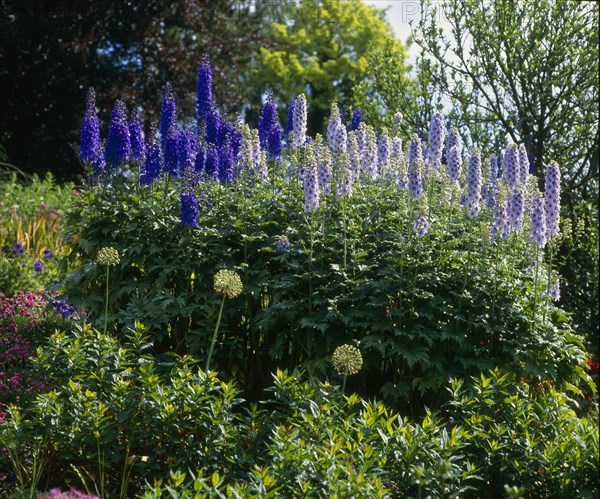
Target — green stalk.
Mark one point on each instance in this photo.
(214, 338)
(344, 384)
(535, 281)
(106, 300)
(549, 279)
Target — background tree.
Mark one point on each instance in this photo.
(51, 52)
(323, 50)
(528, 70)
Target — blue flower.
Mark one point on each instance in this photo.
(63, 308)
(269, 130)
(90, 148)
(168, 115)
(153, 164)
(18, 249)
(204, 90)
(189, 209)
(213, 123)
(171, 154)
(283, 243)
(356, 120)
(48, 253)
(136, 134)
(118, 142)
(38, 266)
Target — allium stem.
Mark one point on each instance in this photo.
(106, 299)
(214, 338)
(344, 384)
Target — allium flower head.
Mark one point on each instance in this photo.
(90, 146)
(118, 142)
(228, 283)
(136, 134)
(347, 360)
(435, 143)
(38, 266)
(108, 256)
(189, 209)
(168, 115)
(552, 199)
(204, 90)
(299, 122)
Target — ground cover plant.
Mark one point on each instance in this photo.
(204, 256)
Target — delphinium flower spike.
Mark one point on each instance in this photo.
(136, 134)
(324, 162)
(345, 181)
(398, 162)
(538, 221)
(473, 196)
(415, 166)
(398, 124)
(454, 164)
(500, 226)
(204, 90)
(354, 155)
(153, 163)
(552, 199)
(189, 208)
(383, 151)
(90, 151)
(523, 164)
(118, 142)
(269, 130)
(311, 182)
(511, 168)
(435, 142)
(171, 153)
(516, 206)
(332, 125)
(299, 122)
(290, 119)
(168, 115)
(369, 154)
(355, 121)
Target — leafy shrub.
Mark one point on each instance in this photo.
(116, 417)
(526, 435)
(423, 309)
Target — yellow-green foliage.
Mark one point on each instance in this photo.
(326, 46)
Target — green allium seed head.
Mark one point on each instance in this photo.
(108, 256)
(347, 359)
(228, 282)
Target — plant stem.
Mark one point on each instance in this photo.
(535, 281)
(106, 300)
(344, 384)
(214, 338)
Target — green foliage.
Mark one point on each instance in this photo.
(324, 53)
(422, 309)
(526, 435)
(31, 213)
(117, 414)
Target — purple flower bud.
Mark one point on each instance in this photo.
(48, 253)
(38, 266)
(204, 90)
(118, 144)
(18, 249)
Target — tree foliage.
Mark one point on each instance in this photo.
(323, 51)
(52, 52)
(528, 70)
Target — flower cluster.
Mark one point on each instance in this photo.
(538, 222)
(347, 360)
(90, 151)
(228, 283)
(204, 90)
(435, 143)
(189, 209)
(473, 195)
(118, 143)
(269, 130)
(283, 244)
(108, 256)
(299, 120)
(552, 199)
